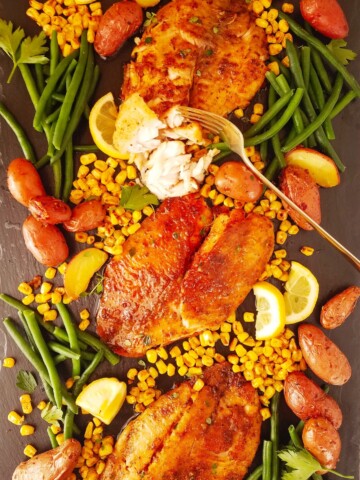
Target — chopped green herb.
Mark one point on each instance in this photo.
(148, 40)
(194, 20)
(215, 30)
(198, 73)
(208, 421)
(209, 52)
(337, 48)
(174, 395)
(214, 468)
(51, 414)
(136, 197)
(147, 340)
(151, 19)
(175, 235)
(26, 381)
(142, 363)
(98, 287)
(185, 53)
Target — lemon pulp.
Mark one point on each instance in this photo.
(270, 307)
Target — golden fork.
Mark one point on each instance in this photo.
(234, 138)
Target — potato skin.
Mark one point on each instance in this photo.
(23, 181)
(323, 357)
(118, 23)
(338, 308)
(307, 400)
(235, 180)
(49, 210)
(323, 441)
(55, 464)
(86, 216)
(325, 16)
(301, 188)
(45, 242)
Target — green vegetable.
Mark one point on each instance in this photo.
(337, 48)
(151, 19)
(62, 350)
(274, 435)
(256, 474)
(51, 414)
(136, 197)
(26, 381)
(302, 464)
(267, 460)
(52, 438)
(70, 330)
(22, 50)
(344, 102)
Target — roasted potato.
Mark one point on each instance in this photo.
(49, 210)
(86, 216)
(118, 23)
(45, 242)
(307, 400)
(235, 180)
(23, 181)
(324, 358)
(322, 440)
(338, 308)
(56, 464)
(302, 189)
(325, 16)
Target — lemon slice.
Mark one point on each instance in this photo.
(270, 307)
(102, 121)
(302, 291)
(103, 398)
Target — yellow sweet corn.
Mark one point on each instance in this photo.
(30, 451)
(26, 430)
(8, 362)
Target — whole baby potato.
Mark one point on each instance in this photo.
(23, 181)
(86, 216)
(49, 210)
(338, 308)
(307, 400)
(323, 357)
(45, 242)
(322, 440)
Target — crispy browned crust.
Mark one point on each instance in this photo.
(188, 435)
(209, 54)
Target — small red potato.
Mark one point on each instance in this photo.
(49, 210)
(24, 182)
(300, 187)
(118, 23)
(325, 16)
(337, 309)
(323, 441)
(56, 464)
(323, 357)
(45, 242)
(307, 400)
(86, 216)
(321, 167)
(235, 180)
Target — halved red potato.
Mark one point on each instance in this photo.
(322, 440)
(321, 167)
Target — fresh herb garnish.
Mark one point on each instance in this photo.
(198, 73)
(185, 53)
(26, 381)
(175, 235)
(98, 287)
(51, 414)
(151, 19)
(136, 198)
(194, 20)
(208, 421)
(142, 363)
(337, 48)
(21, 49)
(148, 40)
(146, 340)
(208, 52)
(301, 464)
(215, 30)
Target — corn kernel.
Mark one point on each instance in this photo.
(50, 315)
(105, 450)
(198, 385)
(219, 358)
(283, 26)
(265, 413)
(28, 299)
(239, 113)
(171, 370)
(25, 288)
(257, 7)
(26, 430)
(162, 353)
(274, 67)
(275, 48)
(15, 418)
(266, 3)
(8, 362)
(83, 325)
(161, 366)
(254, 118)
(308, 251)
(281, 237)
(261, 22)
(30, 451)
(249, 317)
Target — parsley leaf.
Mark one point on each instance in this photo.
(151, 19)
(26, 381)
(51, 414)
(136, 198)
(21, 49)
(337, 48)
(98, 288)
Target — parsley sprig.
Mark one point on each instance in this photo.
(21, 49)
(26, 381)
(135, 197)
(337, 48)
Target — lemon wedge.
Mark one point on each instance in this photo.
(102, 122)
(103, 398)
(270, 307)
(302, 291)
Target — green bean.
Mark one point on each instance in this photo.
(96, 344)
(284, 70)
(325, 52)
(60, 348)
(272, 169)
(85, 148)
(320, 70)
(39, 74)
(318, 91)
(283, 120)
(68, 424)
(29, 83)
(297, 120)
(73, 340)
(272, 111)
(87, 373)
(256, 474)
(54, 52)
(92, 88)
(295, 437)
(79, 105)
(275, 140)
(19, 132)
(299, 427)
(264, 146)
(72, 91)
(59, 359)
(44, 160)
(272, 79)
(222, 146)
(45, 355)
(87, 355)
(274, 435)
(52, 438)
(344, 102)
(315, 124)
(313, 98)
(305, 53)
(54, 115)
(57, 172)
(59, 97)
(267, 460)
(49, 89)
(69, 171)
(69, 71)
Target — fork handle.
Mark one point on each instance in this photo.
(312, 222)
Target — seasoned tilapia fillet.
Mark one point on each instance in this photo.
(188, 435)
(206, 53)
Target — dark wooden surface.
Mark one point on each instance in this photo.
(340, 208)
